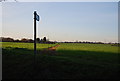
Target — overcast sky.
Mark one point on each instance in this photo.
(62, 21)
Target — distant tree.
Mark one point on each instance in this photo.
(41, 40)
(17, 40)
(24, 40)
(7, 39)
(38, 40)
(2, 39)
(44, 39)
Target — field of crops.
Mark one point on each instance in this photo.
(68, 61)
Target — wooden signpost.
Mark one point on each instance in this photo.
(36, 17)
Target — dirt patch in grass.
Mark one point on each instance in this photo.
(50, 50)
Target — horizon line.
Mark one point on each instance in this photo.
(62, 40)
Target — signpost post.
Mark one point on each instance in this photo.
(36, 17)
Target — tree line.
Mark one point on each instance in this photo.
(26, 40)
(45, 40)
(87, 42)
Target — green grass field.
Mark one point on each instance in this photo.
(70, 61)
